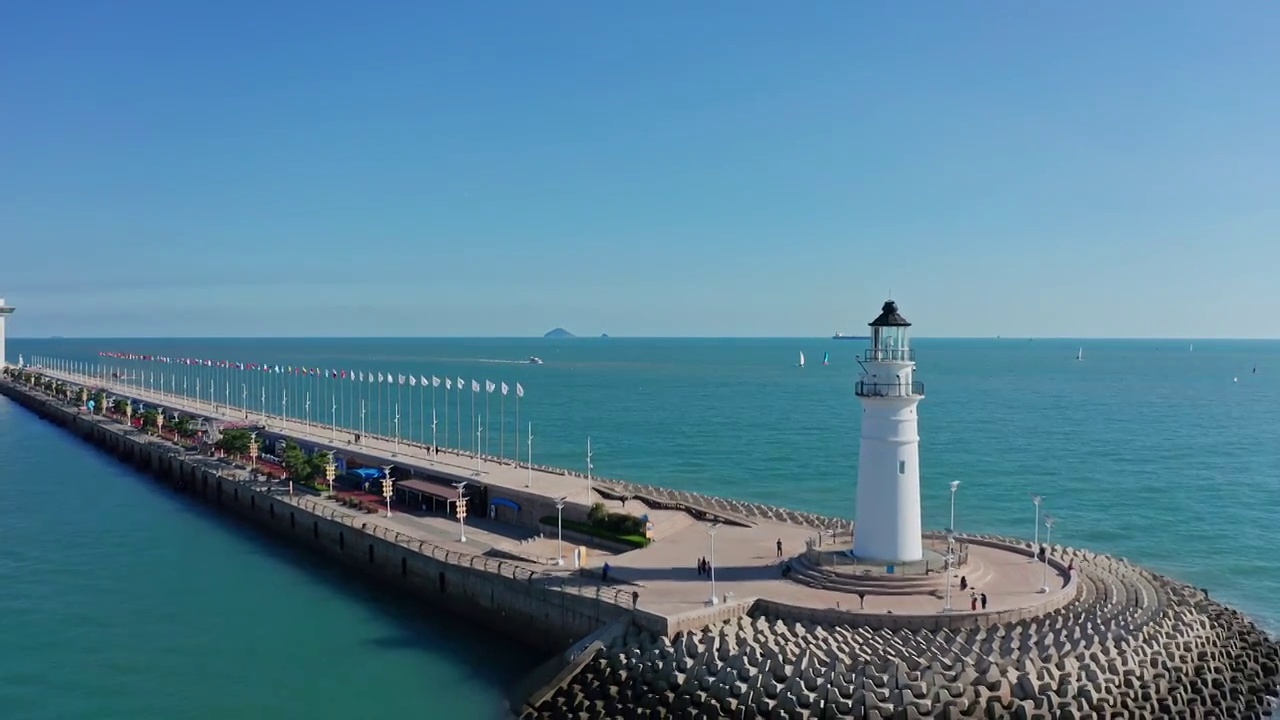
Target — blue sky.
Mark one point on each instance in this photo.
(658, 168)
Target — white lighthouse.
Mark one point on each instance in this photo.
(5, 312)
(887, 527)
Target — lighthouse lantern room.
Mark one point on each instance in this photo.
(887, 525)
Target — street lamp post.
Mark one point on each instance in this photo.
(954, 485)
(528, 463)
(330, 471)
(711, 531)
(253, 450)
(1037, 499)
(950, 559)
(160, 422)
(589, 466)
(1048, 541)
(560, 530)
(388, 486)
(461, 511)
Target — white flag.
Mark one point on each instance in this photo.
(361, 376)
(413, 381)
(379, 377)
(504, 388)
(519, 390)
(401, 379)
(422, 380)
(435, 381)
(475, 386)
(391, 378)
(370, 376)
(351, 374)
(448, 384)
(489, 386)
(461, 384)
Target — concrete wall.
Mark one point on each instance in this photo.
(526, 605)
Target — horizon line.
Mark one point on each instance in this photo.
(629, 337)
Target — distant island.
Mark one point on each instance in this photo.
(559, 333)
(604, 334)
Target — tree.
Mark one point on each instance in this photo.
(299, 465)
(149, 420)
(182, 426)
(118, 407)
(99, 400)
(235, 442)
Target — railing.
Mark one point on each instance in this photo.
(889, 355)
(902, 389)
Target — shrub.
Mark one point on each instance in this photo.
(598, 514)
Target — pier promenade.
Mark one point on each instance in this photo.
(747, 564)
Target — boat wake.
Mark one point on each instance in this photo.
(502, 362)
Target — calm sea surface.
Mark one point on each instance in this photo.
(120, 600)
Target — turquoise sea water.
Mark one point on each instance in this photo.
(1145, 449)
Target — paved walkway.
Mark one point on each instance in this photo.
(665, 572)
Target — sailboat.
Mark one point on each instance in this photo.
(826, 358)
(1192, 348)
(801, 363)
(1080, 354)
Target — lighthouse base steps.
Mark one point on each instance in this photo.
(834, 569)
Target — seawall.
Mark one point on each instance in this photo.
(538, 609)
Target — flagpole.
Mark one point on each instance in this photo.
(448, 382)
(475, 445)
(502, 422)
(435, 449)
(488, 393)
(457, 413)
(518, 427)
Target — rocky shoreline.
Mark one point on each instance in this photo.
(1131, 645)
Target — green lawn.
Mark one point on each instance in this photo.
(636, 541)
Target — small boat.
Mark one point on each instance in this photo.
(842, 336)
(1080, 354)
(534, 360)
(801, 363)
(826, 358)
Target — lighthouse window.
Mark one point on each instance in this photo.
(902, 467)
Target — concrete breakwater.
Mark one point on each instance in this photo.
(1131, 645)
(545, 611)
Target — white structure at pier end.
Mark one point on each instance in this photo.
(887, 525)
(5, 312)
